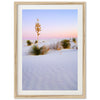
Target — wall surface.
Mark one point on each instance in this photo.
(7, 49)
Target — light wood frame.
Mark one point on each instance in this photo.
(16, 52)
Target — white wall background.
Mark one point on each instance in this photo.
(7, 49)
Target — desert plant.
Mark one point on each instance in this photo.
(58, 46)
(36, 50)
(39, 51)
(37, 29)
(74, 40)
(36, 41)
(65, 43)
(29, 42)
(43, 50)
(55, 46)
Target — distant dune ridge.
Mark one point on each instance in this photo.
(53, 44)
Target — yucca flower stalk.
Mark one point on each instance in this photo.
(37, 29)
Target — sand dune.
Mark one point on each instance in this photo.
(57, 70)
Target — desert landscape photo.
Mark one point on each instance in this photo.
(50, 49)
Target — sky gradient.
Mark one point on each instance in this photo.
(54, 23)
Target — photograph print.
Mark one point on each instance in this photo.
(51, 50)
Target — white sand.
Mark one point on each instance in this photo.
(57, 70)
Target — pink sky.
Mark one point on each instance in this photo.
(69, 34)
(54, 23)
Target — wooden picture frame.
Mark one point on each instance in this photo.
(16, 45)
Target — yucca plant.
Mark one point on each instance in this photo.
(36, 50)
(44, 50)
(65, 44)
(74, 40)
(29, 42)
(58, 46)
(36, 41)
(39, 51)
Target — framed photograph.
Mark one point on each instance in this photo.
(49, 49)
